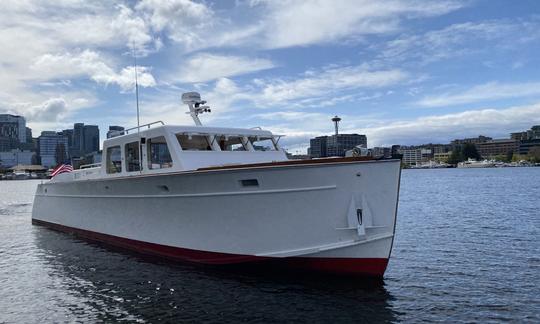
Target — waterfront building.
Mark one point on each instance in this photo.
(533, 133)
(497, 147)
(518, 136)
(16, 157)
(471, 140)
(52, 148)
(442, 157)
(12, 132)
(115, 131)
(378, 152)
(335, 145)
(411, 156)
(526, 145)
(317, 147)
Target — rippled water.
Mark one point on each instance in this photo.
(467, 249)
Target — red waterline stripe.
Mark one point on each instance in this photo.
(374, 267)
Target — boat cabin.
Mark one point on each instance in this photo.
(159, 148)
(180, 148)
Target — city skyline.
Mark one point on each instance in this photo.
(401, 72)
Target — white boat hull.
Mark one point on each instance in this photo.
(335, 217)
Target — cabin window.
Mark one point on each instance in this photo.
(193, 142)
(262, 143)
(132, 157)
(231, 143)
(114, 159)
(159, 156)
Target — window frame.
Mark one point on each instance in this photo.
(138, 146)
(149, 161)
(109, 162)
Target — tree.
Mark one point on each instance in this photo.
(534, 154)
(456, 156)
(469, 151)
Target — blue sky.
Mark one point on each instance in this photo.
(399, 71)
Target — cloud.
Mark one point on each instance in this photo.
(497, 123)
(89, 63)
(461, 39)
(444, 128)
(324, 83)
(51, 110)
(206, 67)
(486, 92)
(300, 23)
(280, 24)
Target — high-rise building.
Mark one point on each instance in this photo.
(12, 132)
(78, 139)
(115, 131)
(52, 148)
(317, 147)
(335, 145)
(91, 139)
(83, 139)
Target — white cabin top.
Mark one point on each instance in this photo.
(159, 148)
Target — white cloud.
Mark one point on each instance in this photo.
(460, 39)
(50, 110)
(89, 63)
(206, 67)
(323, 83)
(485, 92)
(498, 123)
(444, 128)
(298, 23)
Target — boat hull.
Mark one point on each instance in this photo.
(336, 217)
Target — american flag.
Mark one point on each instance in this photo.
(62, 168)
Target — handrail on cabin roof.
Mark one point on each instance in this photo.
(126, 131)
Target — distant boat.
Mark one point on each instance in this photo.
(472, 163)
(20, 175)
(430, 165)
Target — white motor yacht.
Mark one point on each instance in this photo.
(218, 195)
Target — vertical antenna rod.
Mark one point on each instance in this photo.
(136, 88)
(137, 100)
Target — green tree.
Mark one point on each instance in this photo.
(456, 156)
(534, 154)
(469, 151)
(509, 156)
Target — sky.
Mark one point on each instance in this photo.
(400, 71)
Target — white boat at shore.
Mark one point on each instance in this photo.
(228, 196)
(472, 163)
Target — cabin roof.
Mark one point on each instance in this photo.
(175, 129)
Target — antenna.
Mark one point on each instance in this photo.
(196, 106)
(137, 103)
(336, 121)
(136, 86)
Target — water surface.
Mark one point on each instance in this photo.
(467, 249)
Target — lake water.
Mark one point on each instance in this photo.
(467, 250)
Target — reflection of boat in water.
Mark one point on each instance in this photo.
(471, 163)
(108, 287)
(228, 196)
